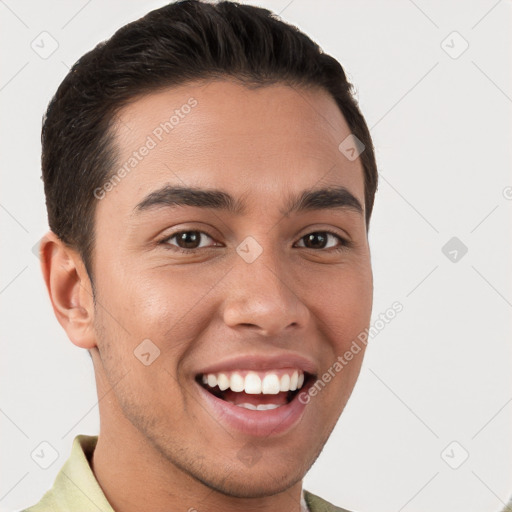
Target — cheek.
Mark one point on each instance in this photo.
(343, 305)
(152, 304)
(170, 309)
(141, 359)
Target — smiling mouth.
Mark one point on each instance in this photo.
(255, 390)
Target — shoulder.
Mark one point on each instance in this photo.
(317, 504)
(75, 486)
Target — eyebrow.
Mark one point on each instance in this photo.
(338, 198)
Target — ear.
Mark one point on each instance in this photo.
(70, 290)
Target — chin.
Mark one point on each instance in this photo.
(254, 484)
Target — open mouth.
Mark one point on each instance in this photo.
(255, 390)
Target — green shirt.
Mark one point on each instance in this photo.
(76, 489)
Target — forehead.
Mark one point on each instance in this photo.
(261, 141)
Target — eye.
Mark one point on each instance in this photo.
(187, 241)
(319, 240)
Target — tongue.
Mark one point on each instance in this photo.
(244, 398)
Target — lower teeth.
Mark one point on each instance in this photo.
(260, 407)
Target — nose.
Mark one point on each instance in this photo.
(261, 295)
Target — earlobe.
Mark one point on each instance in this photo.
(70, 290)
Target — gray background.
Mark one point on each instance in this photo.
(439, 373)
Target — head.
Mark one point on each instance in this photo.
(182, 163)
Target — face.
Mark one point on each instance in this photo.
(212, 309)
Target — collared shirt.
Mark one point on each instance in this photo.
(76, 489)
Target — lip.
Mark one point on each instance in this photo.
(253, 362)
(272, 422)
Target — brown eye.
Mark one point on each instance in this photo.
(319, 240)
(187, 241)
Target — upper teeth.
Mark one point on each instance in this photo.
(267, 383)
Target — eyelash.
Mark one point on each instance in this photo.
(344, 244)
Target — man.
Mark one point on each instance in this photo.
(209, 182)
